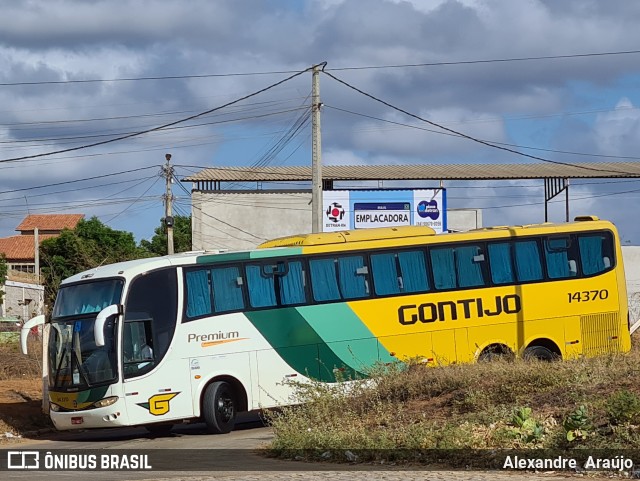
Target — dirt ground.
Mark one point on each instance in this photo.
(21, 392)
(21, 409)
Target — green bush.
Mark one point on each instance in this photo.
(623, 407)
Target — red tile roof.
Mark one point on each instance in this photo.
(49, 222)
(20, 248)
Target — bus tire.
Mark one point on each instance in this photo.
(159, 430)
(539, 353)
(496, 352)
(219, 407)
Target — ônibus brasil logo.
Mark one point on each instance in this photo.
(335, 212)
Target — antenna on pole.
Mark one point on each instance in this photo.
(168, 200)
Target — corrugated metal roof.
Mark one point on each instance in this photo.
(422, 172)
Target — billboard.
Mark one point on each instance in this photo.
(362, 209)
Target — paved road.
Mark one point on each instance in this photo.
(237, 459)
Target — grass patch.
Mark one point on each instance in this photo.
(581, 404)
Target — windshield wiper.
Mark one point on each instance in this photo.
(80, 368)
(55, 381)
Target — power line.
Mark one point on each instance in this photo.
(135, 201)
(555, 151)
(468, 137)
(77, 180)
(164, 126)
(285, 72)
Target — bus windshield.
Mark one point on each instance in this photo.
(87, 298)
(74, 359)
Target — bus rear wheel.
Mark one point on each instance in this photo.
(539, 353)
(219, 407)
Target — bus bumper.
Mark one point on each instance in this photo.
(106, 417)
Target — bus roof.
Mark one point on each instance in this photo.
(336, 241)
(341, 237)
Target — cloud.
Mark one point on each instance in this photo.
(526, 102)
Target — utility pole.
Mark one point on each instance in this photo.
(168, 199)
(316, 154)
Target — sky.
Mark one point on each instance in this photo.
(78, 73)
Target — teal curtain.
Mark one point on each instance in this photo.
(444, 269)
(557, 262)
(292, 285)
(198, 293)
(528, 264)
(260, 287)
(324, 281)
(591, 254)
(469, 270)
(500, 260)
(352, 284)
(385, 274)
(414, 271)
(227, 294)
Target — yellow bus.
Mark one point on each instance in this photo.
(545, 291)
(155, 342)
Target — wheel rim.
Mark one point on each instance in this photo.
(225, 408)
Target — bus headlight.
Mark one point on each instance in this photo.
(54, 407)
(103, 403)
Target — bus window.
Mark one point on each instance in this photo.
(596, 253)
(292, 284)
(556, 252)
(457, 267)
(500, 260)
(260, 286)
(227, 289)
(444, 269)
(324, 284)
(198, 293)
(385, 274)
(413, 271)
(527, 257)
(395, 273)
(469, 261)
(151, 312)
(352, 277)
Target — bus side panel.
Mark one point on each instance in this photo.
(205, 368)
(358, 356)
(463, 353)
(572, 345)
(275, 376)
(444, 347)
(408, 346)
(162, 395)
(482, 336)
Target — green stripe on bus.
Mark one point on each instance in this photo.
(224, 257)
(277, 252)
(299, 345)
(346, 335)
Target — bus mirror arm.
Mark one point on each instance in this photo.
(101, 319)
(26, 329)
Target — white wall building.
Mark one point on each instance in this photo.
(237, 220)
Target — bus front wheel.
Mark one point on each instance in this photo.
(219, 407)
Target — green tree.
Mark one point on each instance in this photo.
(3, 274)
(181, 237)
(90, 244)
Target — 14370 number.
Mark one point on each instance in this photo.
(586, 296)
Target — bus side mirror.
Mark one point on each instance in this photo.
(101, 319)
(26, 328)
